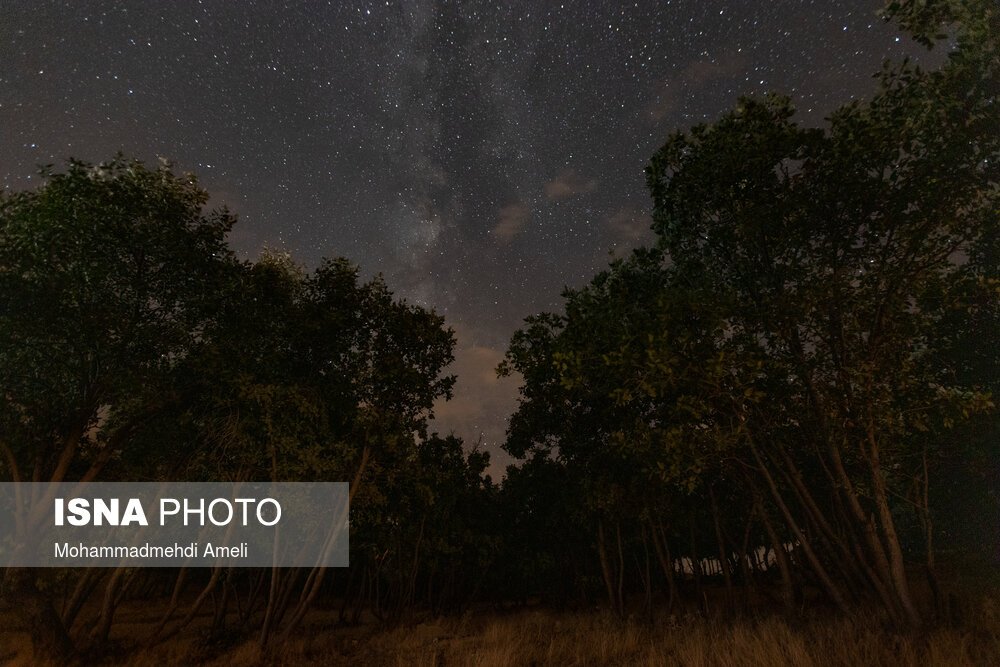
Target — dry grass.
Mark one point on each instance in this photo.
(544, 637)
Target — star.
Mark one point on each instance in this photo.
(481, 157)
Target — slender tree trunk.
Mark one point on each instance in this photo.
(787, 586)
(84, 588)
(412, 582)
(315, 579)
(171, 608)
(648, 578)
(621, 568)
(896, 563)
(193, 611)
(928, 527)
(342, 614)
(112, 596)
(866, 523)
(280, 604)
(826, 537)
(602, 552)
(828, 584)
(880, 568)
(746, 566)
(723, 557)
(695, 558)
(662, 549)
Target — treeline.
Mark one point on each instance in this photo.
(802, 370)
(138, 348)
(805, 363)
(790, 395)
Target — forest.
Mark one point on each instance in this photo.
(787, 404)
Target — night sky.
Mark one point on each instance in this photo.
(480, 157)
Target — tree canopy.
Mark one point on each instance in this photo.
(792, 393)
(791, 347)
(137, 347)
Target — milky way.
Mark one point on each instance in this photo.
(480, 157)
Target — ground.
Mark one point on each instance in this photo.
(541, 636)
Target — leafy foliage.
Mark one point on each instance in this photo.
(108, 277)
(801, 332)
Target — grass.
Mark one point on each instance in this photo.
(536, 636)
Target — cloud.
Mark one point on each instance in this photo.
(481, 402)
(569, 184)
(630, 223)
(512, 219)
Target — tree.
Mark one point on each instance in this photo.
(841, 254)
(304, 377)
(107, 275)
(797, 343)
(137, 347)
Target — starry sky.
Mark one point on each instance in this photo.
(480, 157)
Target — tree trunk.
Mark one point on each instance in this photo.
(84, 587)
(828, 584)
(193, 611)
(781, 556)
(647, 579)
(662, 549)
(602, 553)
(896, 563)
(723, 557)
(112, 596)
(928, 527)
(621, 568)
(695, 560)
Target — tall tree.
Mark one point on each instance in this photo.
(840, 253)
(107, 275)
(801, 336)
